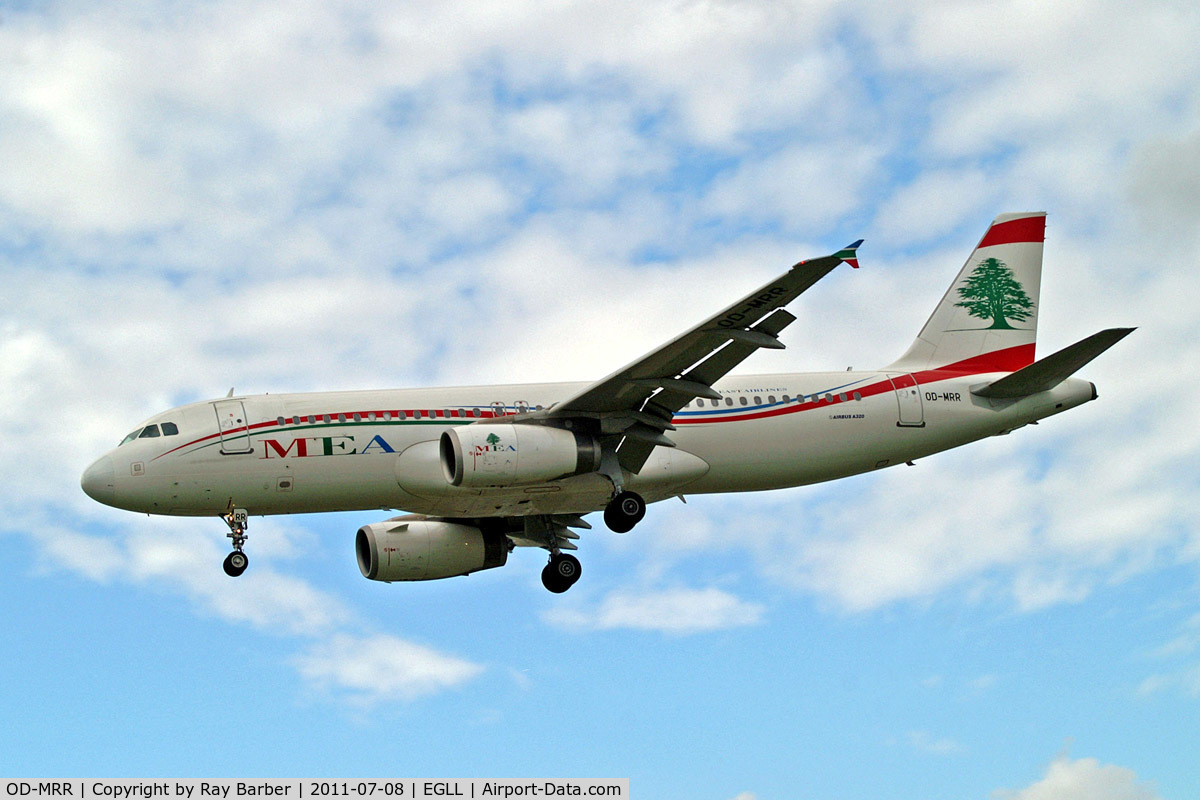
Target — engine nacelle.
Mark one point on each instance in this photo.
(515, 455)
(416, 549)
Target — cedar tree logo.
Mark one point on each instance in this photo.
(991, 292)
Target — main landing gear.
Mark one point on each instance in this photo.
(620, 515)
(561, 573)
(236, 562)
(624, 511)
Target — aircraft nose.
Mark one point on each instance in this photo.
(97, 481)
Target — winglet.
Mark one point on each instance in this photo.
(848, 253)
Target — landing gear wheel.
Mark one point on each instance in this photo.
(624, 511)
(561, 573)
(235, 563)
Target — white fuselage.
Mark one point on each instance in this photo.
(338, 451)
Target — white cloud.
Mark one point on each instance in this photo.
(1185, 680)
(673, 611)
(94, 557)
(920, 547)
(1164, 182)
(184, 557)
(928, 744)
(164, 555)
(983, 682)
(374, 668)
(1182, 673)
(936, 203)
(1082, 779)
(1020, 73)
(808, 187)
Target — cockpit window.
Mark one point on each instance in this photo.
(151, 432)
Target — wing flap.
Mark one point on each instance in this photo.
(720, 363)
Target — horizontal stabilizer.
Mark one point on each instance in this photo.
(1045, 374)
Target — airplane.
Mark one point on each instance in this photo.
(481, 470)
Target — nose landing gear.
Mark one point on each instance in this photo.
(237, 561)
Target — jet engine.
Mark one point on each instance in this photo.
(475, 456)
(417, 549)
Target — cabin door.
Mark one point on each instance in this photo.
(233, 426)
(908, 397)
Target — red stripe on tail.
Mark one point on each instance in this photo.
(1027, 229)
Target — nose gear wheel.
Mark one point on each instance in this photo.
(235, 563)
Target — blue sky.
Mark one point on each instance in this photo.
(195, 196)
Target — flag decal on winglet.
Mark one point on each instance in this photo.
(849, 254)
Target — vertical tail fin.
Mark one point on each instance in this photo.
(988, 316)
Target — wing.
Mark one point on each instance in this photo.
(635, 404)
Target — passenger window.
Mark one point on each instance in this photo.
(742, 400)
(787, 399)
(728, 401)
(149, 432)
(170, 429)
(771, 399)
(857, 396)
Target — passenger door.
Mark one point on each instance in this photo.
(908, 397)
(233, 426)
